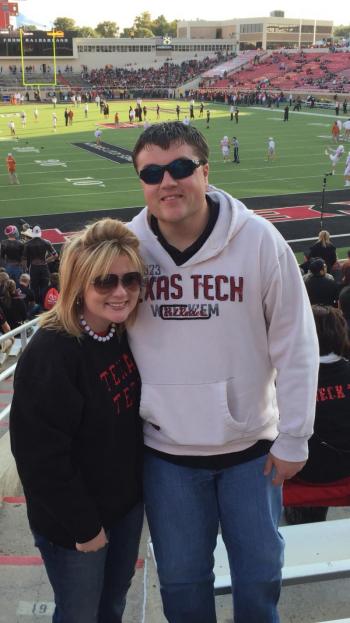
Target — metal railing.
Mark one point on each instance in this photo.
(23, 332)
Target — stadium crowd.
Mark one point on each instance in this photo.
(29, 281)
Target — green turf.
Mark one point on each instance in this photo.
(299, 166)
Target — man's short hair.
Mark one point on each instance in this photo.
(344, 301)
(317, 265)
(166, 134)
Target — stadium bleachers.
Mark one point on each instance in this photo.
(286, 71)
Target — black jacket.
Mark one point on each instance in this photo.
(329, 446)
(76, 434)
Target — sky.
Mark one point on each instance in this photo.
(87, 13)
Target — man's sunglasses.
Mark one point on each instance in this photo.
(129, 281)
(178, 169)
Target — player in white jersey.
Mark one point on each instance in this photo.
(271, 149)
(347, 171)
(334, 156)
(225, 148)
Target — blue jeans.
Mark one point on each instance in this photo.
(14, 271)
(92, 587)
(184, 508)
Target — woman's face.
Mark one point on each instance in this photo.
(115, 304)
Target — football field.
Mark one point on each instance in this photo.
(61, 171)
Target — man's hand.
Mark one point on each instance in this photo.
(98, 542)
(283, 469)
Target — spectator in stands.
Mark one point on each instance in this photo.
(329, 446)
(13, 304)
(305, 265)
(325, 249)
(38, 253)
(12, 253)
(32, 308)
(345, 269)
(344, 304)
(75, 427)
(51, 295)
(202, 464)
(320, 286)
(11, 168)
(4, 277)
(6, 344)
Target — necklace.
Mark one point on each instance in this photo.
(96, 336)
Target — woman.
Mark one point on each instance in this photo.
(325, 249)
(329, 446)
(12, 302)
(75, 427)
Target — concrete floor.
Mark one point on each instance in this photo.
(26, 596)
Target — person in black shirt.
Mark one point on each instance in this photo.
(13, 304)
(320, 286)
(12, 251)
(38, 253)
(325, 249)
(75, 429)
(329, 446)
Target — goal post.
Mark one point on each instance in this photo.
(53, 75)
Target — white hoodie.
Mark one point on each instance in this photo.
(223, 338)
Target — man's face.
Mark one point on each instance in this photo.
(174, 201)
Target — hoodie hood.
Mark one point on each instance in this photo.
(233, 215)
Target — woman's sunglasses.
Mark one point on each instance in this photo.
(129, 281)
(178, 169)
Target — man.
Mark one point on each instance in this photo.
(38, 252)
(98, 134)
(347, 171)
(334, 156)
(12, 250)
(12, 128)
(320, 286)
(224, 316)
(271, 149)
(235, 144)
(286, 113)
(11, 168)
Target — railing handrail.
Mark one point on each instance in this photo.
(22, 331)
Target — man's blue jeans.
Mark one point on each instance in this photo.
(184, 508)
(92, 587)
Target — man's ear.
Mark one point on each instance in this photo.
(206, 172)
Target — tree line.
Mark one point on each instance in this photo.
(143, 26)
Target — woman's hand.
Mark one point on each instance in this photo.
(98, 542)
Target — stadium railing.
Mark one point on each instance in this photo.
(24, 331)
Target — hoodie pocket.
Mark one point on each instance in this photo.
(194, 414)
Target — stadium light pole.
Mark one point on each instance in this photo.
(323, 197)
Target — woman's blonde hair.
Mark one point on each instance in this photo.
(87, 255)
(324, 237)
